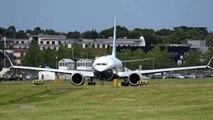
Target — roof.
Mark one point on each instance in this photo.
(84, 60)
(66, 60)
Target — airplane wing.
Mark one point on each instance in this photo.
(125, 61)
(127, 73)
(84, 73)
(171, 69)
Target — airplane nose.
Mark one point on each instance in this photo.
(100, 68)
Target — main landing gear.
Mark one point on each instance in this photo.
(91, 82)
(125, 83)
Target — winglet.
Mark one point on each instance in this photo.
(9, 60)
(210, 61)
(208, 65)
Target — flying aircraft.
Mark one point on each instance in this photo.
(106, 68)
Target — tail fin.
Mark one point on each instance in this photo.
(114, 38)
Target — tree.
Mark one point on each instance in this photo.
(134, 34)
(50, 32)
(209, 40)
(12, 28)
(178, 37)
(49, 57)
(63, 52)
(208, 55)
(162, 59)
(149, 35)
(9, 34)
(36, 31)
(33, 55)
(138, 54)
(21, 34)
(74, 35)
(90, 34)
(164, 32)
(193, 58)
(193, 34)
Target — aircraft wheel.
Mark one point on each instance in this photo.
(89, 83)
(125, 84)
(93, 83)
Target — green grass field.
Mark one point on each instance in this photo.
(187, 99)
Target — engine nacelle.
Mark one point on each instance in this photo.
(77, 79)
(134, 78)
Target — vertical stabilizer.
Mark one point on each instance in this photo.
(114, 38)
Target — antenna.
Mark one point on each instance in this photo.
(114, 38)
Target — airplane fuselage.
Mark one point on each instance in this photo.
(106, 67)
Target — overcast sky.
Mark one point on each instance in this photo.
(83, 15)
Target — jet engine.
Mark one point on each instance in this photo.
(77, 79)
(134, 78)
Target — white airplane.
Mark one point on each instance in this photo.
(108, 68)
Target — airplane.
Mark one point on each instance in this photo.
(106, 68)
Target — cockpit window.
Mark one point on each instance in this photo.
(98, 64)
(104, 64)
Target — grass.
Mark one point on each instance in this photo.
(188, 99)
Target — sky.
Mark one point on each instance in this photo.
(83, 15)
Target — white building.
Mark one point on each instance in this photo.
(66, 64)
(106, 43)
(84, 64)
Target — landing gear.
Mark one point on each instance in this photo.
(91, 82)
(125, 83)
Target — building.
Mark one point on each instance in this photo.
(52, 41)
(198, 45)
(84, 64)
(66, 64)
(106, 43)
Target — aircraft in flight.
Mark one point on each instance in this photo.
(106, 68)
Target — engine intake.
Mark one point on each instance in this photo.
(77, 79)
(134, 78)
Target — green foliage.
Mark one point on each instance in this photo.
(134, 34)
(63, 52)
(209, 40)
(74, 35)
(162, 58)
(120, 33)
(193, 58)
(178, 37)
(164, 32)
(49, 57)
(33, 55)
(9, 34)
(208, 55)
(90, 34)
(21, 34)
(149, 35)
(49, 32)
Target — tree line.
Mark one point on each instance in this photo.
(153, 37)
